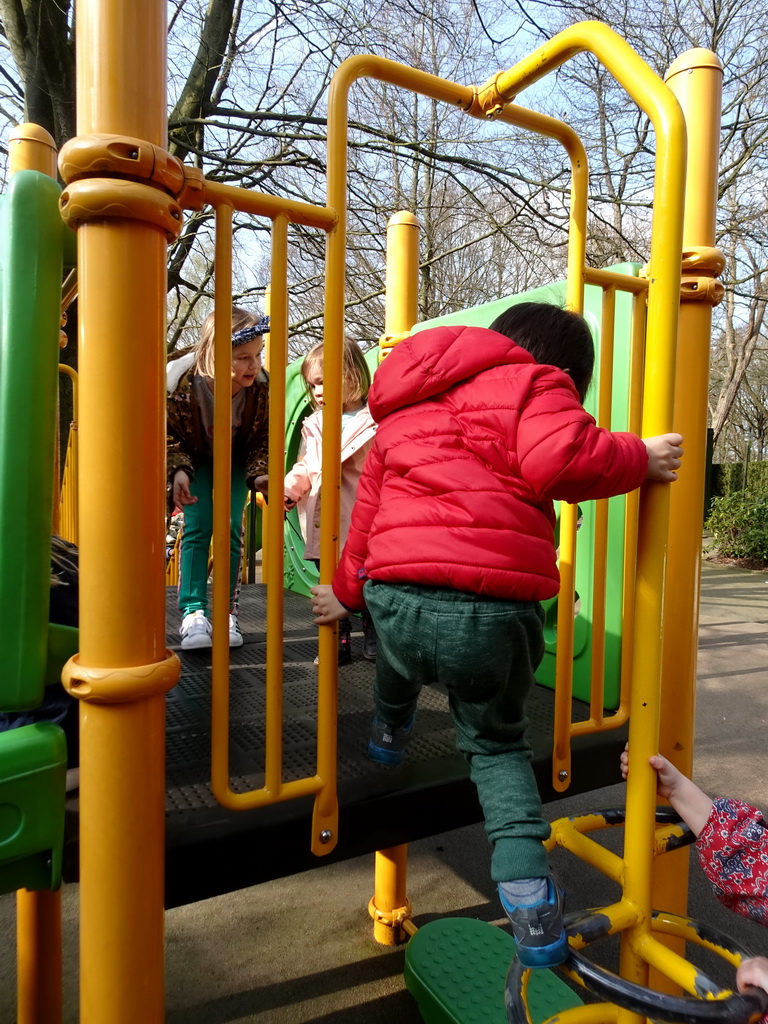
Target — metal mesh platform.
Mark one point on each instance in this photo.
(211, 850)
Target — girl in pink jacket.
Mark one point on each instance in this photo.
(303, 482)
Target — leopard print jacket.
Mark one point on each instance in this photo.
(185, 443)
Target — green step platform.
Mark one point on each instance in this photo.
(33, 769)
(455, 969)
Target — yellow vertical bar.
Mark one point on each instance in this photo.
(401, 303)
(401, 313)
(268, 312)
(634, 420)
(56, 520)
(222, 478)
(333, 337)
(265, 532)
(74, 503)
(696, 79)
(38, 945)
(402, 276)
(605, 403)
(389, 906)
(31, 148)
(561, 754)
(38, 914)
(326, 712)
(569, 514)
(121, 90)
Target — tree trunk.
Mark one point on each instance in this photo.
(43, 48)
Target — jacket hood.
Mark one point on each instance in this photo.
(433, 361)
(176, 369)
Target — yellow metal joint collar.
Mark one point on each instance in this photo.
(120, 176)
(391, 918)
(103, 198)
(487, 101)
(121, 156)
(388, 341)
(120, 685)
(702, 265)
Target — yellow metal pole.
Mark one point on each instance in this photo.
(696, 79)
(122, 669)
(38, 914)
(326, 714)
(38, 946)
(632, 505)
(68, 495)
(600, 569)
(401, 303)
(31, 148)
(389, 906)
(657, 101)
(265, 531)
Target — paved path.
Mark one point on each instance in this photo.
(299, 950)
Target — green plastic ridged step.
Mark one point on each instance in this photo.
(455, 969)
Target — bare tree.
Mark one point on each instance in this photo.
(248, 85)
(39, 38)
(621, 149)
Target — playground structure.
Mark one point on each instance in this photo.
(120, 182)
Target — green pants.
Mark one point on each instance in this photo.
(485, 652)
(196, 541)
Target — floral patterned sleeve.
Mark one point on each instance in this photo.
(733, 850)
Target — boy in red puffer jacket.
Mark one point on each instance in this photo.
(451, 547)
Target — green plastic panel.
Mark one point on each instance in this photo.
(31, 233)
(33, 770)
(483, 316)
(455, 968)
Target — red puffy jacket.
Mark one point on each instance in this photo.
(475, 441)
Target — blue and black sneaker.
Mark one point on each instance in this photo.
(538, 929)
(387, 744)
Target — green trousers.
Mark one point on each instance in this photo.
(485, 652)
(196, 541)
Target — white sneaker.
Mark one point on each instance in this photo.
(195, 631)
(235, 636)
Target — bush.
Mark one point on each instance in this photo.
(727, 477)
(739, 525)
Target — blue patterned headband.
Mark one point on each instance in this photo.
(249, 333)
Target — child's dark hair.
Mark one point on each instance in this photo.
(553, 336)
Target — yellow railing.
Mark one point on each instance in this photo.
(68, 501)
(598, 721)
(322, 785)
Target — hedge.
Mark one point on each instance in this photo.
(739, 525)
(728, 478)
